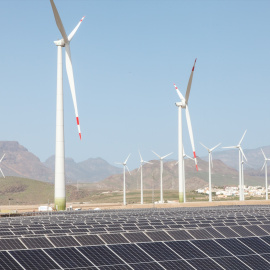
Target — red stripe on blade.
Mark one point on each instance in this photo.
(80, 136)
(194, 154)
(77, 118)
(197, 167)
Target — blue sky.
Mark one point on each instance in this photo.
(126, 57)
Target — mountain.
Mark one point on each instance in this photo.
(18, 161)
(90, 170)
(222, 175)
(230, 157)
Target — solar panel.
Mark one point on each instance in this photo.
(234, 246)
(180, 264)
(229, 262)
(137, 237)
(100, 255)
(115, 267)
(180, 235)
(91, 240)
(227, 232)
(203, 264)
(113, 238)
(242, 231)
(255, 262)
(200, 234)
(159, 236)
(214, 232)
(185, 249)
(256, 244)
(256, 230)
(146, 266)
(68, 257)
(63, 241)
(159, 251)
(7, 262)
(130, 253)
(11, 244)
(38, 242)
(211, 248)
(34, 259)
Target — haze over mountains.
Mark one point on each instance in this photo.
(20, 162)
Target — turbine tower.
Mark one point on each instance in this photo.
(183, 104)
(241, 152)
(161, 173)
(60, 192)
(0, 168)
(266, 181)
(140, 168)
(184, 174)
(124, 180)
(210, 165)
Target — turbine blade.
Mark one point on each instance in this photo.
(2, 173)
(262, 153)
(118, 163)
(191, 135)
(240, 148)
(2, 157)
(156, 154)
(189, 157)
(211, 158)
(242, 137)
(190, 82)
(205, 147)
(176, 163)
(59, 22)
(127, 159)
(263, 165)
(140, 156)
(215, 147)
(71, 35)
(166, 155)
(147, 162)
(72, 85)
(179, 93)
(128, 169)
(229, 147)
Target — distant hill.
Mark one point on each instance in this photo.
(230, 157)
(222, 175)
(90, 170)
(18, 161)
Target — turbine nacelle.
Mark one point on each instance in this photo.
(60, 42)
(181, 104)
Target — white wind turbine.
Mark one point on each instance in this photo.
(140, 168)
(60, 192)
(161, 173)
(184, 174)
(266, 181)
(183, 104)
(241, 152)
(124, 181)
(0, 162)
(210, 165)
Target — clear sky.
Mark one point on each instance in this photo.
(126, 56)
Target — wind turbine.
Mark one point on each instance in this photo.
(183, 104)
(140, 168)
(266, 182)
(124, 173)
(210, 165)
(161, 173)
(0, 168)
(184, 175)
(60, 192)
(241, 152)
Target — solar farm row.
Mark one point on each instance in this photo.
(241, 253)
(199, 238)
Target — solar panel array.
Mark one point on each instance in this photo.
(235, 237)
